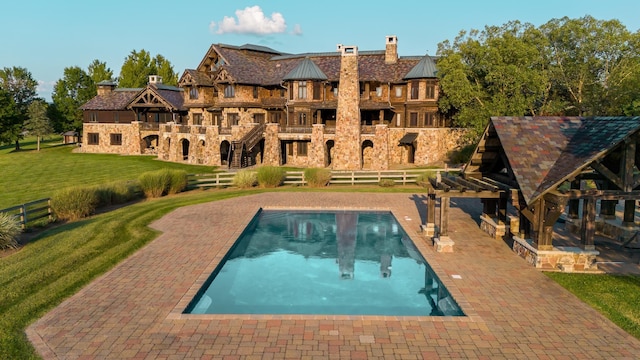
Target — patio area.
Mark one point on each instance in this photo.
(513, 310)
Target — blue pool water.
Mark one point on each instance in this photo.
(324, 263)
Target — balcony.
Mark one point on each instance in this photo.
(150, 126)
(301, 129)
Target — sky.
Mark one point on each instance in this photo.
(47, 36)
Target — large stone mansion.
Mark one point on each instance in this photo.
(247, 105)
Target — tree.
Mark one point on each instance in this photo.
(21, 87)
(10, 123)
(69, 93)
(499, 71)
(38, 122)
(138, 66)
(165, 69)
(98, 71)
(593, 63)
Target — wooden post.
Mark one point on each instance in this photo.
(431, 209)
(502, 208)
(574, 204)
(588, 226)
(49, 210)
(23, 216)
(629, 213)
(444, 216)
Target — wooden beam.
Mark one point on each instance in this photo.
(604, 171)
(602, 194)
(453, 184)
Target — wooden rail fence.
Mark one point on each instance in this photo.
(31, 211)
(400, 177)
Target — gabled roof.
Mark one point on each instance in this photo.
(426, 68)
(118, 99)
(163, 95)
(306, 70)
(193, 77)
(543, 152)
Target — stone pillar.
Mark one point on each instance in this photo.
(347, 154)
(316, 148)
(272, 155)
(380, 159)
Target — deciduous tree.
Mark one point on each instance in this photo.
(98, 71)
(69, 93)
(38, 122)
(139, 65)
(21, 87)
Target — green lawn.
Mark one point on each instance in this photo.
(28, 175)
(615, 296)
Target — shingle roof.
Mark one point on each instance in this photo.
(199, 78)
(426, 68)
(543, 152)
(115, 100)
(305, 70)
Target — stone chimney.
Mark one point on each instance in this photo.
(105, 87)
(391, 50)
(155, 79)
(347, 155)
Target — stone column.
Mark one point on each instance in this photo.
(271, 146)
(316, 148)
(347, 153)
(380, 159)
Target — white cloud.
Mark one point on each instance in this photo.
(297, 30)
(251, 20)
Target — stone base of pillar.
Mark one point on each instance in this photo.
(443, 244)
(428, 229)
(561, 258)
(491, 226)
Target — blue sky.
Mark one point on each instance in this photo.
(46, 36)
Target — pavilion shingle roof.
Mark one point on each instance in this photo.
(426, 68)
(545, 151)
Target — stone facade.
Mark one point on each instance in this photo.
(347, 114)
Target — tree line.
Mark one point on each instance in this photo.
(565, 67)
(22, 111)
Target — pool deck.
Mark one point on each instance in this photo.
(513, 310)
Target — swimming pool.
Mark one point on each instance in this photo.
(324, 263)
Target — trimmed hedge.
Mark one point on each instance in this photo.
(9, 231)
(270, 176)
(317, 177)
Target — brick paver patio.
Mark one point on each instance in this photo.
(134, 310)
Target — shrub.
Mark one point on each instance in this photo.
(387, 183)
(118, 192)
(9, 231)
(270, 176)
(154, 183)
(462, 155)
(74, 203)
(317, 177)
(423, 179)
(245, 179)
(178, 181)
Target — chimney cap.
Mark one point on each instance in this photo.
(155, 79)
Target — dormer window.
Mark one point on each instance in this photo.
(193, 93)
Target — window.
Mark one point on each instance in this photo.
(431, 90)
(362, 88)
(413, 119)
(258, 118)
(290, 91)
(281, 93)
(233, 119)
(415, 87)
(93, 117)
(116, 139)
(255, 92)
(197, 119)
(302, 148)
(302, 89)
(290, 149)
(302, 119)
(275, 117)
(193, 93)
(398, 91)
(379, 91)
(116, 117)
(317, 89)
(229, 91)
(94, 138)
(334, 88)
(429, 120)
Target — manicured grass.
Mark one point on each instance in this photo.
(615, 296)
(62, 260)
(28, 175)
